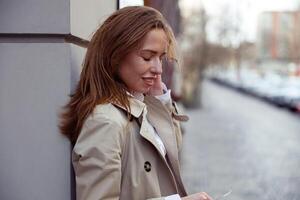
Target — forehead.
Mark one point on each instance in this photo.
(155, 40)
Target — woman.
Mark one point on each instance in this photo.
(121, 120)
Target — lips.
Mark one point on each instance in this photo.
(149, 80)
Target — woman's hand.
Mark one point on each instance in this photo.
(157, 88)
(197, 196)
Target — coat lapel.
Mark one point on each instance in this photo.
(146, 132)
(139, 110)
(161, 118)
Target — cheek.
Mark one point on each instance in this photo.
(137, 66)
(129, 73)
(133, 68)
(136, 69)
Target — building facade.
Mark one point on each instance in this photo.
(41, 52)
(279, 36)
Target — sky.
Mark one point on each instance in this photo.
(246, 10)
(242, 12)
(124, 3)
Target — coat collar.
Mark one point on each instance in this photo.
(161, 119)
(136, 106)
(139, 110)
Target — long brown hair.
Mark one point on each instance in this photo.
(99, 83)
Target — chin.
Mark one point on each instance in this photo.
(138, 90)
(143, 90)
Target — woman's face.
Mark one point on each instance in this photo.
(139, 69)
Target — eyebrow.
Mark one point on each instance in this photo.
(153, 52)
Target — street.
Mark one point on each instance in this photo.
(240, 143)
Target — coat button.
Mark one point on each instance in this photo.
(147, 166)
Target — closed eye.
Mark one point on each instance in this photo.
(146, 59)
(147, 55)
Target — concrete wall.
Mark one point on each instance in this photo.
(34, 157)
(38, 69)
(87, 15)
(34, 16)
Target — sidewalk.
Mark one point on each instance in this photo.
(240, 143)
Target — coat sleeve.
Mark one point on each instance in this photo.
(96, 159)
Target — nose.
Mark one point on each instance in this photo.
(156, 67)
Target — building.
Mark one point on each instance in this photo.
(279, 36)
(41, 52)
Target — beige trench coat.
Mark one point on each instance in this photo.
(115, 158)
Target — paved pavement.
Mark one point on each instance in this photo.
(239, 143)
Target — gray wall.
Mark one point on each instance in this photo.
(34, 157)
(35, 16)
(38, 69)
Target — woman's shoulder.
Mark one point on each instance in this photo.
(106, 108)
(105, 123)
(108, 112)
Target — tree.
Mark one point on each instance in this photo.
(194, 48)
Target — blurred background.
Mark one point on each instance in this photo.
(238, 78)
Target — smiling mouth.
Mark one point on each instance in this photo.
(149, 80)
